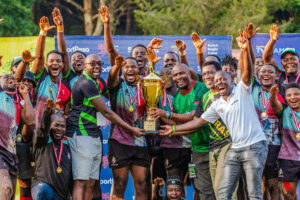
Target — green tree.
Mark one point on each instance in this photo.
(17, 18)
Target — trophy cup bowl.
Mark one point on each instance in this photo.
(152, 89)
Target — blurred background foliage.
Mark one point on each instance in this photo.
(152, 17)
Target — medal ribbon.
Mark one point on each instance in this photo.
(17, 105)
(130, 97)
(265, 105)
(287, 80)
(60, 152)
(58, 91)
(166, 97)
(295, 120)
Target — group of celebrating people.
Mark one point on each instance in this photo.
(231, 140)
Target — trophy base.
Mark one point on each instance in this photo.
(150, 126)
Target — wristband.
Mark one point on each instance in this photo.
(60, 28)
(183, 53)
(170, 135)
(174, 128)
(43, 33)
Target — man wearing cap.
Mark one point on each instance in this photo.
(174, 188)
(289, 61)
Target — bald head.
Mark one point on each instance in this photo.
(182, 76)
(225, 74)
(93, 66)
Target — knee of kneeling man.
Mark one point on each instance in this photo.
(6, 186)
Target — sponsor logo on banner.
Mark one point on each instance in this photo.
(77, 48)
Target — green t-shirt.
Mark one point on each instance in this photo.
(185, 103)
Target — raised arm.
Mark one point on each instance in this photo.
(268, 52)
(22, 68)
(112, 52)
(181, 46)
(62, 47)
(39, 60)
(250, 33)
(198, 43)
(113, 76)
(274, 102)
(28, 114)
(247, 70)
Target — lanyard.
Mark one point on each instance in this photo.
(58, 159)
(295, 120)
(265, 105)
(287, 80)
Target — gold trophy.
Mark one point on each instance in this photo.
(152, 89)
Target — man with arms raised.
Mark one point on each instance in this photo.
(236, 109)
(84, 135)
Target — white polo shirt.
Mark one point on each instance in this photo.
(239, 115)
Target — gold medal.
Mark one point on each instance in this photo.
(298, 136)
(264, 115)
(19, 138)
(131, 109)
(57, 106)
(59, 170)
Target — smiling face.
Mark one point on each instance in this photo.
(208, 75)
(292, 96)
(8, 83)
(167, 72)
(57, 126)
(174, 192)
(290, 63)
(28, 83)
(77, 62)
(130, 71)
(93, 66)
(139, 53)
(54, 64)
(267, 76)
(170, 60)
(181, 76)
(223, 83)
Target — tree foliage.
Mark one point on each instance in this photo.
(219, 17)
(17, 18)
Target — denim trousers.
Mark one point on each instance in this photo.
(252, 159)
(42, 191)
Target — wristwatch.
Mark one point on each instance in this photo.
(168, 114)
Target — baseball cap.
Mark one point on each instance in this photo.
(30, 76)
(287, 51)
(16, 61)
(173, 180)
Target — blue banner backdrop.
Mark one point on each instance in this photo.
(285, 41)
(214, 45)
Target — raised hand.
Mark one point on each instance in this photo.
(180, 45)
(242, 42)
(151, 55)
(44, 24)
(249, 31)
(23, 90)
(103, 11)
(167, 130)
(155, 43)
(26, 56)
(120, 61)
(50, 105)
(57, 17)
(274, 32)
(159, 181)
(274, 90)
(198, 43)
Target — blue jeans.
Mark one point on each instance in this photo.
(252, 159)
(42, 191)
